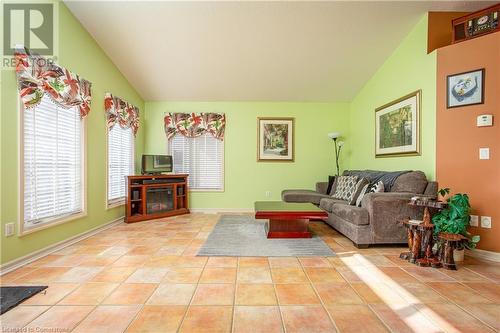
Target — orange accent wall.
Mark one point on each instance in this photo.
(458, 138)
(439, 29)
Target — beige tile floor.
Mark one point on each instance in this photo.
(145, 277)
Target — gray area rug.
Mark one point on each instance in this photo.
(244, 236)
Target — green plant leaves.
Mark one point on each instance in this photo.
(455, 218)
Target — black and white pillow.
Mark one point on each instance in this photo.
(370, 188)
(376, 187)
(345, 187)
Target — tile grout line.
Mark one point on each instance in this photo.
(369, 304)
(233, 310)
(192, 296)
(451, 301)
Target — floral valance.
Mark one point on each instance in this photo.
(121, 112)
(37, 76)
(193, 125)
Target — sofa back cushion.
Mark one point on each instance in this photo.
(412, 182)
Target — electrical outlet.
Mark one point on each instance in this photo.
(486, 222)
(474, 221)
(268, 194)
(9, 229)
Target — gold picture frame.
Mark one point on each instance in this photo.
(397, 127)
(275, 139)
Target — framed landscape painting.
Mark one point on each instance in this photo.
(397, 127)
(275, 139)
(465, 89)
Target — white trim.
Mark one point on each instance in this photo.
(24, 260)
(22, 230)
(221, 210)
(482, 254)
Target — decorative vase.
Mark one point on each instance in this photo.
(458, 255)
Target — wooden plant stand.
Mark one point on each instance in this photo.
(420, 236)
(426, 229)
(451, 241)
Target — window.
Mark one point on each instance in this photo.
(120, 162)
(202, 158)
(52, 163)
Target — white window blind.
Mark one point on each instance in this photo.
(120, 161)
(53, 154)
(202, 158)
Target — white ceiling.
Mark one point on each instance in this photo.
(247, 51)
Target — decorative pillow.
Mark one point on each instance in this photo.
(370, 188)
(360, 185)
(362, 195)
(331, 181)
(377, 187)
(345, 187)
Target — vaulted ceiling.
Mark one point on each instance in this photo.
(244, 51)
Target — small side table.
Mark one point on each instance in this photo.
(420, 235)
(451, 241)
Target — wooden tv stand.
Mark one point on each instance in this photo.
(155, 196)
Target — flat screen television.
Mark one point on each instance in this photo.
(156, 164)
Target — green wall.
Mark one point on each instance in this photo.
(80, 54)
(408, 69)
(247, 180)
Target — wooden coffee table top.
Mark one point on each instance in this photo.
(291, 210)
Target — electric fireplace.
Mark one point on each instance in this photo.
(159, 200)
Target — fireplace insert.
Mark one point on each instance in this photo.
(159, 199)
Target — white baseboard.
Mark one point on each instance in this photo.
(220, 210)
(482, 254)
(24, 260)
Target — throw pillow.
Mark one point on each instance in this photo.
(345, 187)
(331, 181)
(370, 188)
(377, 187)
(361, 184)
(362, 195)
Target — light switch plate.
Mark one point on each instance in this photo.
(484, 153)
(9, 229)
(474, 221)
(486, 222)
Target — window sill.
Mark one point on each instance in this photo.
(23, 231)
(206, 190)
(115, 204)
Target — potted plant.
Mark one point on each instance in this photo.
(455, 219)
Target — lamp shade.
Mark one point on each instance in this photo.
(333, 135)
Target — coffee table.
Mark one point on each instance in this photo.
(288, 219)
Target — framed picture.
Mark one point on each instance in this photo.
(275, 139)
(397, 127)
(465, 88)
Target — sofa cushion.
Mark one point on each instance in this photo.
(351, 214)
(327, 203)
(412, 182)
(302, 196)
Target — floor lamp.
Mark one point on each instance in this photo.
(338, 147)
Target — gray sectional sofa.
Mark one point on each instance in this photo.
(378, 220)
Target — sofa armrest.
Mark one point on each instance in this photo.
(321, 187)
(386, 211)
